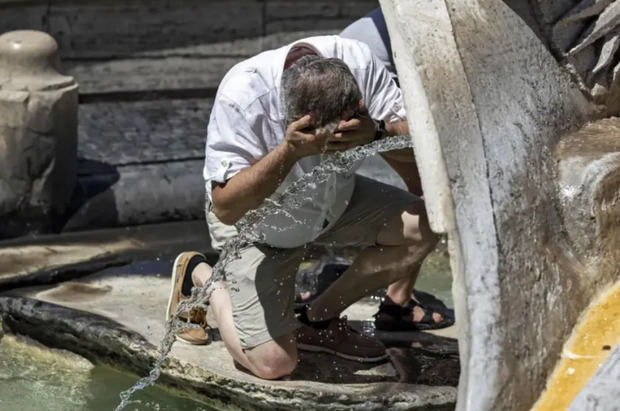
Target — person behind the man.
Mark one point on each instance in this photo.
(414, 313)
(275, 117)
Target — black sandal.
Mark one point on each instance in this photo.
(394, 317)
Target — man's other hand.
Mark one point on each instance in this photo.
(356, 131)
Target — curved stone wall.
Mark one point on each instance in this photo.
(488, 103)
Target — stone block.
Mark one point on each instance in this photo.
(165, 45)
(38, 133)
(126, 196)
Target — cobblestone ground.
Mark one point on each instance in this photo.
(140, 132)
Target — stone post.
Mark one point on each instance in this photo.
(38, 134)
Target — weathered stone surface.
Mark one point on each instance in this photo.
(581, 34)
(588, 169)
(484, 146)
(38, 133)
(127, 148)
(118, 317)
(603, 390)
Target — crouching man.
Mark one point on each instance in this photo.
(275, 117)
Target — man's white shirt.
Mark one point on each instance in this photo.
(247, 122)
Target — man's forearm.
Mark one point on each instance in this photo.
(249, 188)
(403, 161)
(408, 171)
(399, 128)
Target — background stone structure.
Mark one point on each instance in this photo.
(38, 133)
(148, 73)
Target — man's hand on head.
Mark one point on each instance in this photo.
(355, 131)
(303, 139)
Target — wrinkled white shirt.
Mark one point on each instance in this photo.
(247, 122)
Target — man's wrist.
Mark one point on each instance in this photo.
(290, 151)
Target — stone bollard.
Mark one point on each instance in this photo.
(38, 134)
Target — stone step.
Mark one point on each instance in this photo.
(165, 44)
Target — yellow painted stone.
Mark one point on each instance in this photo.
(593, 339)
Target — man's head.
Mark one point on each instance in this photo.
(322, 87)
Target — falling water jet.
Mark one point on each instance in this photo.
(289, 199)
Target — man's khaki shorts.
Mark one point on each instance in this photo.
(262, 281)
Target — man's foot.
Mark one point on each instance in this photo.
(181, 286)
(195, 335)
(412, 317)
(340, 339)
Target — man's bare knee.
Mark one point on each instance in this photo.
(409, 228)
(274, 359)
(274, 367)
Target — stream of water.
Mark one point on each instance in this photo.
(284, 202)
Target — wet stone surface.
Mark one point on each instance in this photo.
(117, 316)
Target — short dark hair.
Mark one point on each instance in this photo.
(322, 87)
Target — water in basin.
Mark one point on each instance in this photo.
(33, 377)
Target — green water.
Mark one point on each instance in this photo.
(435, 276)
(39, 379)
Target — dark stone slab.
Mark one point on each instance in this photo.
(61, 273)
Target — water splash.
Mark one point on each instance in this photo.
(289, 199)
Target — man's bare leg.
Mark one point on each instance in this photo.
(271, 360)
(401, 247)
(400, 292)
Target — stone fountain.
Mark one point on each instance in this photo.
(520, 167)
